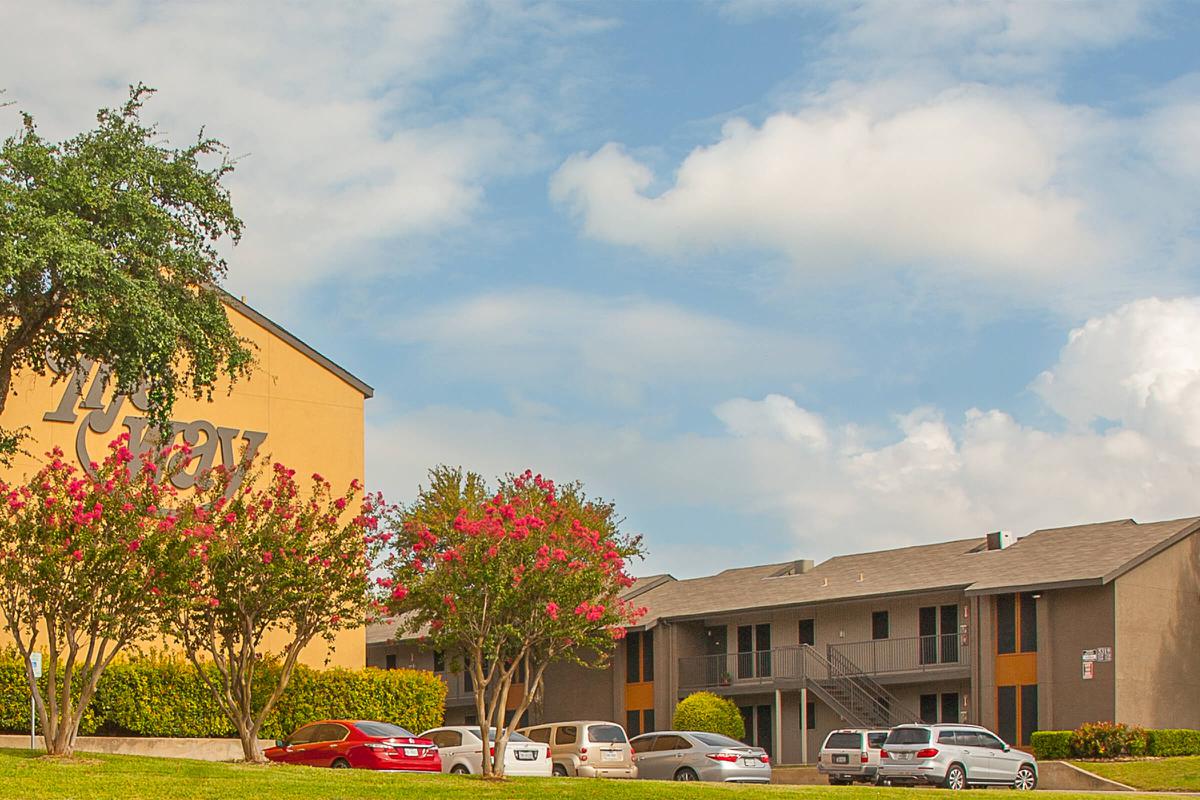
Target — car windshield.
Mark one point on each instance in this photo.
(844, 741)
(716, 740)
(384, 730)
(909, 736)
(606, 733)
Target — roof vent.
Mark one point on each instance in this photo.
(798, 567)
(998, 540)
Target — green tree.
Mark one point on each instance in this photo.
(88, 565)
(705, 711)
(109, 253)
(271, 570)
(509, 582)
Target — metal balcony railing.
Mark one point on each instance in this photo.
(911, 654)
(779, 664)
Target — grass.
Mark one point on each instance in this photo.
(1157, 775)
(98, 777)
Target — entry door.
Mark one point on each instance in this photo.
(949, 637)
(762, 643)
(745, 644)
(927, 620)
(764, 729)
(716, 645)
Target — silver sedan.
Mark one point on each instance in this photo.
(699, 756)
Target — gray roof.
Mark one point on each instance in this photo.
(1073, 556)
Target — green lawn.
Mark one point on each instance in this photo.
(1160, 774)
(97, 777)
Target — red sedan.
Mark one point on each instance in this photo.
(343, 744)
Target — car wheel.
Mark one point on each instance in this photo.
(560, 771)
(1026, 778)
(460, 769)
(687, 774)
(956, 777)
(837, 782)
(340, 763)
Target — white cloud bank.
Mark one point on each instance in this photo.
(778, 464)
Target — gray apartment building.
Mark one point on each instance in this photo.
(1056, 628)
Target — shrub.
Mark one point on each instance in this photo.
(163, 696)
(1051, 745)
(1108, 740)
(705, 711)
(1173, 742)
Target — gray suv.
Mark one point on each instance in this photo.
(955, 756)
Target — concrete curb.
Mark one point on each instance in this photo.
(199, 749)
(1063, 775)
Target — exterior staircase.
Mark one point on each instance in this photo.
(860, 700)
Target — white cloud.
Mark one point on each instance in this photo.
(344, 139)
(969, 181)
(611, 347)
(780, 467)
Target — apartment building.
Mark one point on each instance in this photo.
(1056, 628)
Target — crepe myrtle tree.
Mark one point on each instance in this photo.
(510, 580)
(88, 565)
(271, 568)
(108, 254)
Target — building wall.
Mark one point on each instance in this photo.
(1079, 619)
(1156, 656)
(312, 419)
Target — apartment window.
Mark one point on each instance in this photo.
(879, 625)
(1029, 711)
(1028, 623)
(929, 708)
(1006, 624)
(1006, 713)
(439, 661)
(950, 707)
(808, 631)
(390, 661)
(810, 711)
(1016, 623)
(639, 656)
(639, 722)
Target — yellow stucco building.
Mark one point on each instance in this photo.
(297, 406)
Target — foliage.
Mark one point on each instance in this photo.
(509, 579)
(14, 697)
(87, 563)
(266, 558)
(705, 711)
(1051, 745)
(1173, 742)
(166, 697)
(108, 253)
(1108, 740)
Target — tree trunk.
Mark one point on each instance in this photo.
(248, 734)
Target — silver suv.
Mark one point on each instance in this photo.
(954, 756)
(851, 754)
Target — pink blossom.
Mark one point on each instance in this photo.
(552, 610)
(267, 556)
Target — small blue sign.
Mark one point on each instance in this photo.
(35, 663)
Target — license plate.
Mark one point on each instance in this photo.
(750, 762)
(526, 755)
(410, 752)
(904, 756)
(611, 755)
(842, 759)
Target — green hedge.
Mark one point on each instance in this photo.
(1051, 745)
(1109, 740)
(705, 711)
(165, 697)
(1174, 742)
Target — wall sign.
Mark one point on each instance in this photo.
(207, 439)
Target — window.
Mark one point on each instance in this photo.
(990, 741)
(808, 631)
(950, 707)
(606, 734)
(567, 734)
(647, 638)
(633, 723)
(843, 741)
(639, 656)
(389, 661)
(1006, 712)
(382, 729)
(876, 740)
(643, 744)
(1028, 624)
(671, 742)
(879, 625)
(715, 740)
(444, 739)
(1029, 711)
(302, 736)
(762, 643)
(648, 719)
(810, 711)
(946, 737)
(439, 661)
(539, 735)
(929, 708)
(908, 736)
(1006, 623)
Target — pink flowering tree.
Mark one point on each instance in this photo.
(508, 582)
(88, 566)
(271, 569)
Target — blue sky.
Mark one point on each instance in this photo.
(784, 279)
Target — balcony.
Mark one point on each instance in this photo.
(776, 667)
(914, 655)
